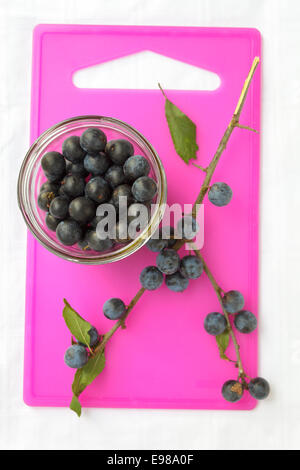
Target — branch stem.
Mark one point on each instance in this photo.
(200, 167)
(119, 323)
(204, 188)
(222, 145)
(218, 291)
(240, 126)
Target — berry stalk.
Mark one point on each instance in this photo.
(218, 291)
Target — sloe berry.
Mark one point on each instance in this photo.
(44, 200)
(69, 232)
(119, 150)
(245, 322)
(94, 222)
(124, 190)
(233, 301)
(54, 166)
(114, 308)
(115, 176)
(187, 227)
(137, 209)
(82, 209)
(96, 244)
(72, 149)
(135, 167)
(51, 222)
(144, 189)
(215, 323)
(122, 231)
(49, 187)
(97, 164)
(168, 233)
(168, 261)
(151, 278)
(259, 388)
(162, 239)
(93, 141)
(191, 267)
(61, 192)
(232, 391)
(220, 194)
(73, 186)
(77, 169)
(83, 243)
(156, 244)
(98, 189)
(76, 356)
(176, 282)
(94, 337)
(59, 207)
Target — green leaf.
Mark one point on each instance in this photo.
(76, 406)
(88, 373)
(183, 132)
(85, 377)
(223, 342)
(76, 324)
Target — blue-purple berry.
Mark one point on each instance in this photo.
(259, 388)
(187, 227)
(176, 282)
(245, 322)
(96, 243)
(54, 166)
(151, 278)
(51, 222)
(82, 209)
(73, 186)
(233, 301)
(98, 190)
(69, 232)
(232, 391)
(144, 189)
(115, 176)
(220, 194)
(135, 167)
(77, 169)
(44, 200)
(97, 164)
(93, 141)
(215, 324)
(76, 356)
(50, 187)
(191, 267)
(119, 150)
(72, 149)
(59, 207)
(114, 308)
(168, 261)
(122, 191)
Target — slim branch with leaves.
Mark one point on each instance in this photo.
(183, 133)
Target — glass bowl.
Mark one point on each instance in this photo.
(31, 178)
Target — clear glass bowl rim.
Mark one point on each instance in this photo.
(39, 234)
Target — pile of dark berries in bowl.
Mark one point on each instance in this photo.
(88, 172)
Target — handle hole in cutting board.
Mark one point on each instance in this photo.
(144, 70)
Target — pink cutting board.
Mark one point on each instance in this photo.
(164, 359)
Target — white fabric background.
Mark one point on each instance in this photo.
(273, 424)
